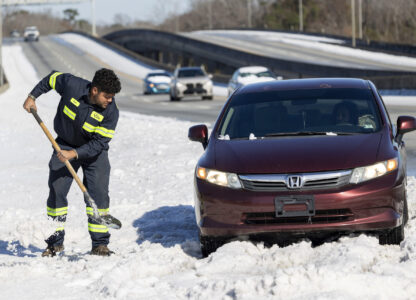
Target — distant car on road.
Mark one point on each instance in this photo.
(252, 74)
(157, 82)
(191, 81)
(31, 33)
(15, 33)
(312, 158)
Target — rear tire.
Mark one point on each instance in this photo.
(206, 97)
(209, 245)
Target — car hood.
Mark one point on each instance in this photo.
(296, 154)
(200, 79)
(159, 79)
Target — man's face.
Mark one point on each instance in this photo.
(101, 99)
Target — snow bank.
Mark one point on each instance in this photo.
(157, 249)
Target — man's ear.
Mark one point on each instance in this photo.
(94, 91)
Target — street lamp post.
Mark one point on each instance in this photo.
(300, 16)
(249, 13)
(360, 19)
(353, 21)
(210, 14)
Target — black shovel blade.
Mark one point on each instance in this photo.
(107, 220)
(111, 222)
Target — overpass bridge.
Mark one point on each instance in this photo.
(222, 57)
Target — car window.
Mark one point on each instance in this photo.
(265, 74)
(158, 74)
(190, 73)
(257, 74)
(276, 113)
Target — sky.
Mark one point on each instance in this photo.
(105, 10)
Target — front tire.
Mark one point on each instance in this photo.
(396, 235)
(209, 245)
(206, 97)
(392, 237)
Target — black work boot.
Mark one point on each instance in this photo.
(51, 251)
(101, 250)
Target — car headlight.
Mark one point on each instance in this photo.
(219, 178)
(362, 174)
(179, 84)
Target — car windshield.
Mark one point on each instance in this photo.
(300, 112)
(259, 74)
(158, 74)
(191, 73)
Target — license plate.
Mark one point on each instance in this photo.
(294, 206)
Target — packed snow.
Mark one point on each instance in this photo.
(157, 250)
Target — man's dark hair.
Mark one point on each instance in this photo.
(105, 80)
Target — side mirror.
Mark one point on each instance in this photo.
(405, 124)
(210, 76)
(199, 133)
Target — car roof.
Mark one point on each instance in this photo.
(315, 83)
(252, 69)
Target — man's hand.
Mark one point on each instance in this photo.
(29, 103)
(65, 155)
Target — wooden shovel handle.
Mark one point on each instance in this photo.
(58, 149)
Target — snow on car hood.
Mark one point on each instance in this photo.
(159, 79)
(296, 154)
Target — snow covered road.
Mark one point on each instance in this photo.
(157, 250)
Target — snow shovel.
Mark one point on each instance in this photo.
(106, 220)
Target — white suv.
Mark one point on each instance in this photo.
(31, 33)
(191, 81)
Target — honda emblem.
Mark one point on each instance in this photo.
(294, 182)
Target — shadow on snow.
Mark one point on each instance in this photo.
(14, 248)
(170, 226)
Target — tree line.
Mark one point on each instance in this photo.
(382, 20)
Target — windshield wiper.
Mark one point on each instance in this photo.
(305, 133)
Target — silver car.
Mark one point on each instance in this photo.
(250, 74)
(191, 81)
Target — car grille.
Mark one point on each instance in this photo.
(194, 89)
(310, 181)
(320, 217)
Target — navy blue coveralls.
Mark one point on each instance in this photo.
(88, 129)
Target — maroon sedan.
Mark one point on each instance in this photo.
(302, 158)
